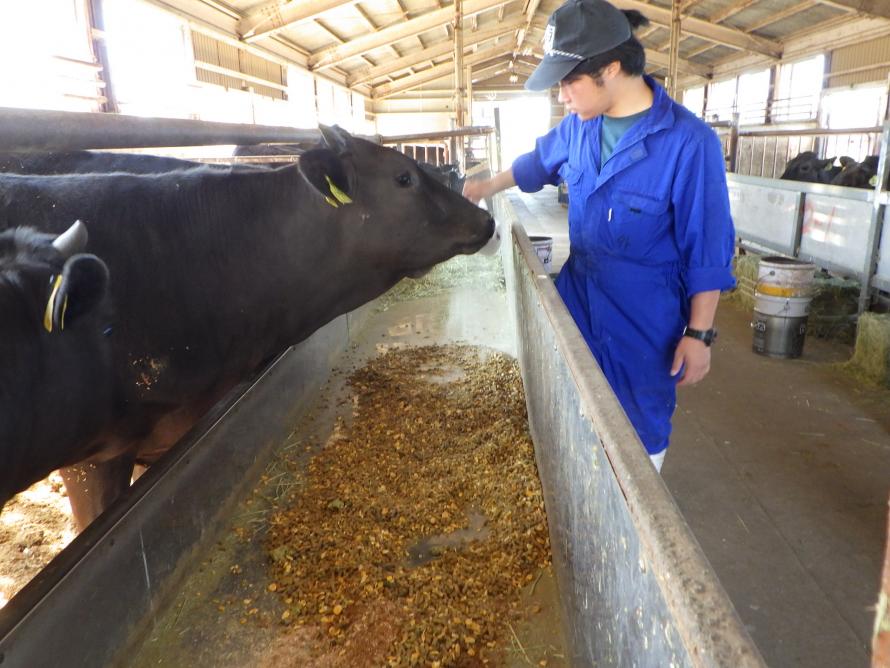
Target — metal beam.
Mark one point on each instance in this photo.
(356, 47)
(435, 51)
(437, 72)
(273, 17)
(877, 8)
(706, 30)
(685, 66)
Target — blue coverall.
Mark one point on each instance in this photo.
(647, 233)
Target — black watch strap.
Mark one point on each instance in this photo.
(706, 336)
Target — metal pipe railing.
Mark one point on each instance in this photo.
(41, 130)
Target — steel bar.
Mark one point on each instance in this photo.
(40, 130)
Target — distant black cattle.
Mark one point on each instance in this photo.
(858, 174)
(56, 377)
(216, 271)
(809, 167)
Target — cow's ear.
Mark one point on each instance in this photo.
(326, 172)
(337, 139)
(78, 290)
(846, 161)
(825, 164)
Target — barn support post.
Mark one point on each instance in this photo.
(734, 142)
(877, 219)
(673, 65)
(459, 83)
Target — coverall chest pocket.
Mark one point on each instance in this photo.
(574, 181)
(637, 217)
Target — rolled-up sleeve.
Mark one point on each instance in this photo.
(703, 227)
(532, 171)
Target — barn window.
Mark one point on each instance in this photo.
(752, 97)
(694, 100)
(799, 89)
(150, 59)
(51, 67)
(721, 100)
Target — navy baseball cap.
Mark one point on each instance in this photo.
(578, 30)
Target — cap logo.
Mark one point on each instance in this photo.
(549, 35)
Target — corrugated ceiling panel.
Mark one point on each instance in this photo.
(218, 53)
(874, 52)
(797, 22)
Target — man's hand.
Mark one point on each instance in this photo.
(694, 357)
(477, 189)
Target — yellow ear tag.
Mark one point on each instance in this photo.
(341, 196)
(48, 312)
(873, 181)
(331, 201)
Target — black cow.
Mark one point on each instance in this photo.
(56, 375)
(809, 167)
(858, 174)
(216, 271)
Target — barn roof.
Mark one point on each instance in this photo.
(393, 48)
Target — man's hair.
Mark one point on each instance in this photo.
(629, 54)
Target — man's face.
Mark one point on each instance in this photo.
(585, 95)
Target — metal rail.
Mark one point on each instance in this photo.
(41, 130)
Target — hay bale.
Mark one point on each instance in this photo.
(834, 307)
(745, 272)
(871, 358)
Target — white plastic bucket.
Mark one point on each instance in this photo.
(544, 249)
(784, 277)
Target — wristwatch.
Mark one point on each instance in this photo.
(706, 336)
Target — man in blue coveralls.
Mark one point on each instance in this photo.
(649, 225)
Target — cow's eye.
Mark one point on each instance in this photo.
(404, 179)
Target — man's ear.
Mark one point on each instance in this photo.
(326, 172)
(611, 70)
(80, 288)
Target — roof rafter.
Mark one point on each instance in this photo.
(273, 17)
(435, 51)
(685, 66)
(706, 30)
(356, 47)
(438, 71)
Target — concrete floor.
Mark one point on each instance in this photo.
(782, 470)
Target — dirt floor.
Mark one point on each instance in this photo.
(34, 527)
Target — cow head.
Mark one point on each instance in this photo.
(55, 358)
(398, 214)
(809, 167)
(858, 174)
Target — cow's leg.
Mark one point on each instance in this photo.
(93, 487)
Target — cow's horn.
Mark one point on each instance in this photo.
(73, 240)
